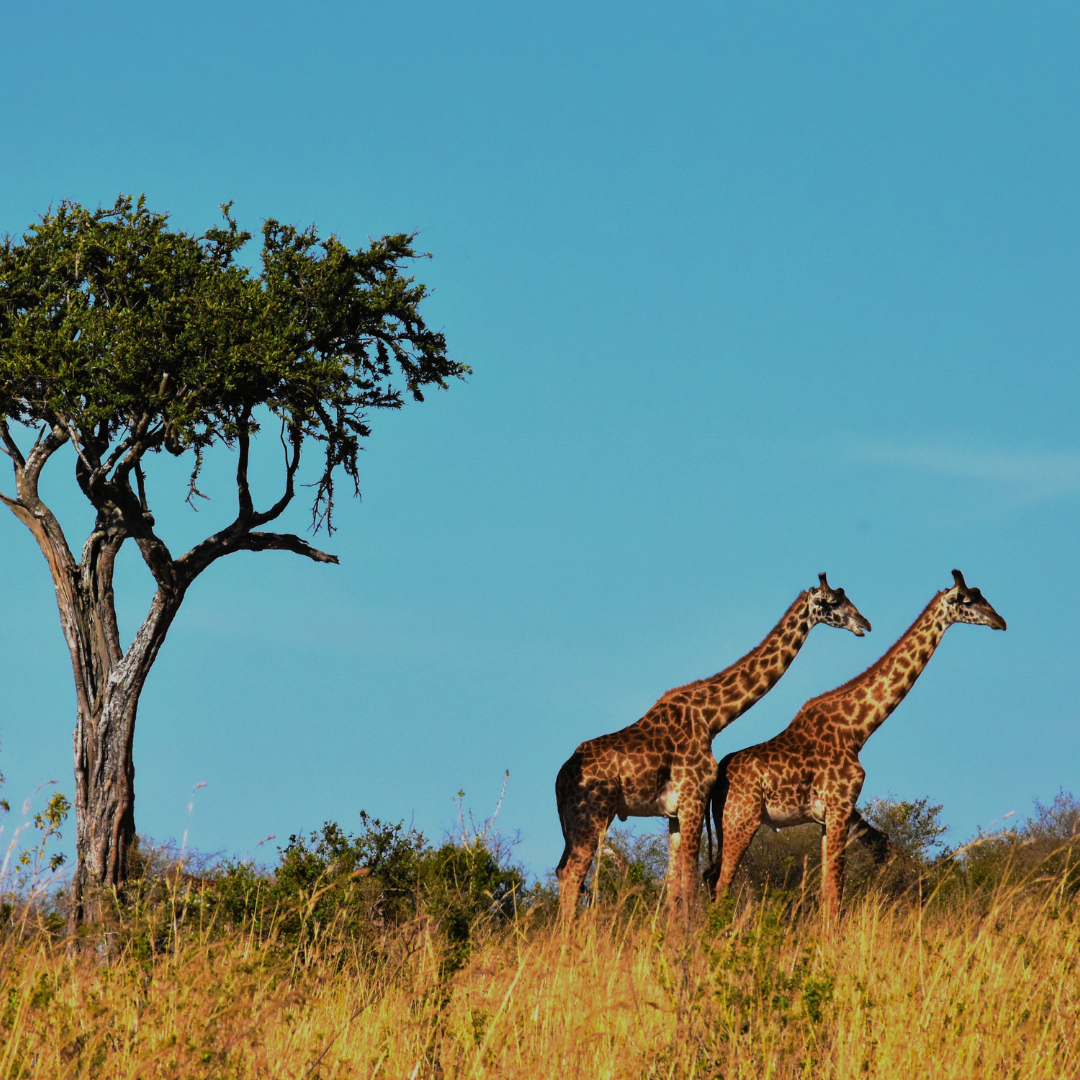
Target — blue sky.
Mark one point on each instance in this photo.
(749, 291)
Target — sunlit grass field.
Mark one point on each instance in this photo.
(983, 986)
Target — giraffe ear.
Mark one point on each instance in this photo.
(824, 583)
(959, 579)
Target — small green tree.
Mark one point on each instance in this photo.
(122, 338)
(913, 827)
(331, 873)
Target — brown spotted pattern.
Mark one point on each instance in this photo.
(662, 765)
(811, 771)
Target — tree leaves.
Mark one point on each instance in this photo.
(134, 338)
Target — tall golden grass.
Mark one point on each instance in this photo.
(986, 988)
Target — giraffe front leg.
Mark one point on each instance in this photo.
(674, 828)
(685, 858)
(834, 835)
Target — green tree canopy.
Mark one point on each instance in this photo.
(134, 338)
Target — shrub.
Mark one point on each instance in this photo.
(630, 866)
(913, 827)
(359, 881)
(328, 885)
(1046, 846)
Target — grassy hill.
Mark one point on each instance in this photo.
(968, 968)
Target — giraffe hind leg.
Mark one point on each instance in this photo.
(738, 832)
(578, 856)
(585, 811)
(715, 810)
(743, 811)
(569, 801)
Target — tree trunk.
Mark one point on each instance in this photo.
(105, 771)
(108, 680)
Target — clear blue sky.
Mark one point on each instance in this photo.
(749, 290)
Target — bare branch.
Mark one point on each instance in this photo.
(194, 562)
(260, 541)
(140, 479)
(10, 447)
(72, 432)
(15, 507)
(96, 575)
(129, 452)
(43, 450)
(292, 464)
(138, 523)
(193, 489)
(243, 491)
(158, 558)
(122, 450)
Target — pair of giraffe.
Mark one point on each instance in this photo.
(662, 765)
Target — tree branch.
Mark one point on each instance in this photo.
(44, 449)
(16, 508)
(260, 541)
(154, 550)
(46, 531)
(71, 431)
(194, 562)
(291, 465)
(140, 479)
(96, 575)
(28, 507)
(243, 491)
(11, 447)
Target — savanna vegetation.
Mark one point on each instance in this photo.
(381, 954)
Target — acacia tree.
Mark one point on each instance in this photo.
(121, 338)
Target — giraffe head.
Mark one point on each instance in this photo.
(832, 607)
(964, 604)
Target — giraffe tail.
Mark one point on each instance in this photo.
(568, 778)
(717, 799)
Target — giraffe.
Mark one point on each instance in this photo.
(662, 765)
(811, 771)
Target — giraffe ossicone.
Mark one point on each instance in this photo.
(662, 765)
(810, 772)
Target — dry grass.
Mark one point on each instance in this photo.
(988, 990)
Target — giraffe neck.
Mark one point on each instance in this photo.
(729, 693)
(861, 706)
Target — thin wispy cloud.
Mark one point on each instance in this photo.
(1033, 474)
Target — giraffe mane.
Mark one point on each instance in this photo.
(712, 678)
(839, 691)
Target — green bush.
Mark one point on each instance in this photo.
(913, 827)
(361, 882)
(327, 884)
